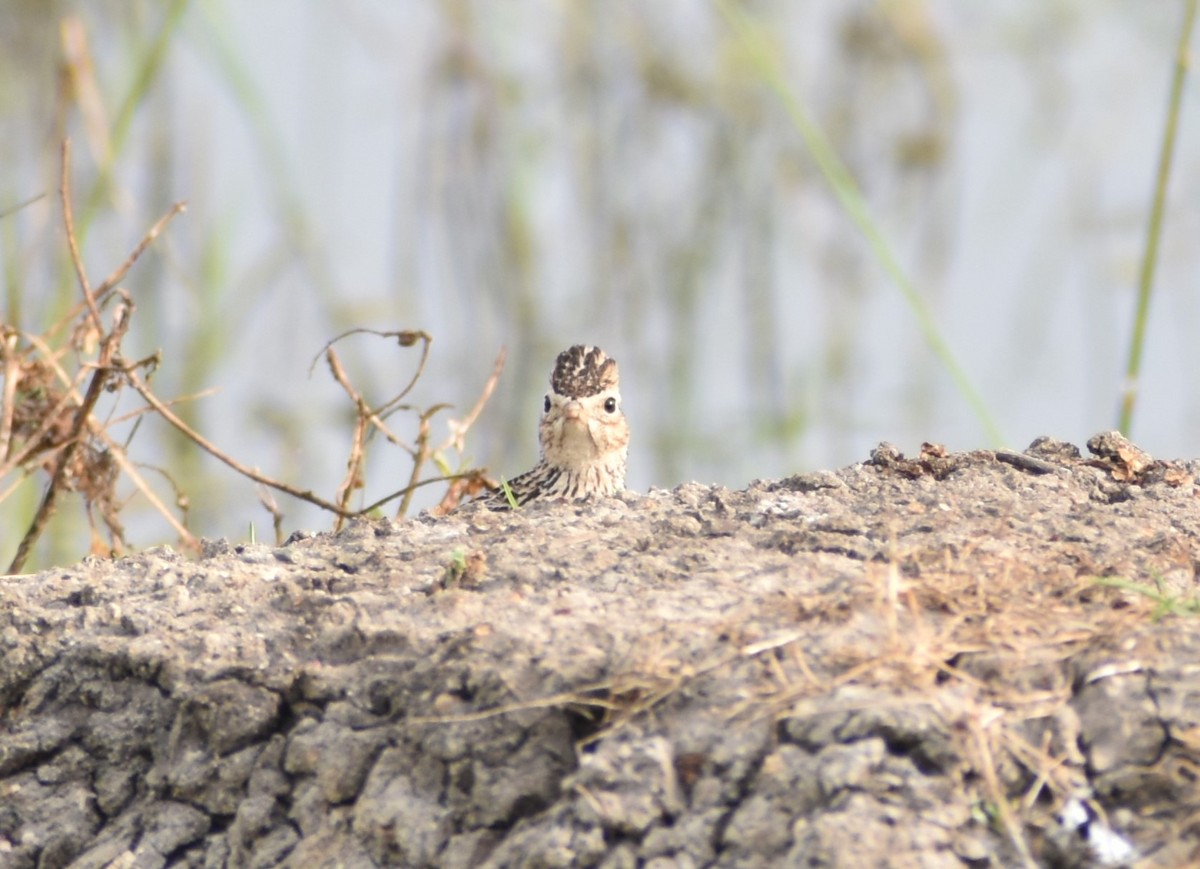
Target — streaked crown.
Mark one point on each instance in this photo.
(582, 371)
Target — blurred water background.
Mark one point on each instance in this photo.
(536, 173)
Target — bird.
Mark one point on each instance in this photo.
(583, 435)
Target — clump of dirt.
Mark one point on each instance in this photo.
(973, 659)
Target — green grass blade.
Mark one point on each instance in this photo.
(846, 189)
(508, 494)
(148, 68)
(1166, 154)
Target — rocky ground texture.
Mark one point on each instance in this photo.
(962, 660)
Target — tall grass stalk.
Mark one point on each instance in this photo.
(149, 65)
(846, 189)
(1166, 154)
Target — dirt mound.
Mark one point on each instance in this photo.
(908, 662)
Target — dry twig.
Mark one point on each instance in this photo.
(65, 424)
(99, 378)
(422, 451)
(58, 428)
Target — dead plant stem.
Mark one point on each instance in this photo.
(82, 414)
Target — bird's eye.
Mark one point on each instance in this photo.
(546, 406)
(611, 405)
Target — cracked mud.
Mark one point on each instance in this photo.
(906, 662)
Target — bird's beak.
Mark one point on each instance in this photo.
(572, 410)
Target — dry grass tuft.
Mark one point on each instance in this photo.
(50, 425)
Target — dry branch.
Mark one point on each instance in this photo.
(67, 424)
(62, 422)
(99, 379)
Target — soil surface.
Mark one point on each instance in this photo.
(907, 662)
